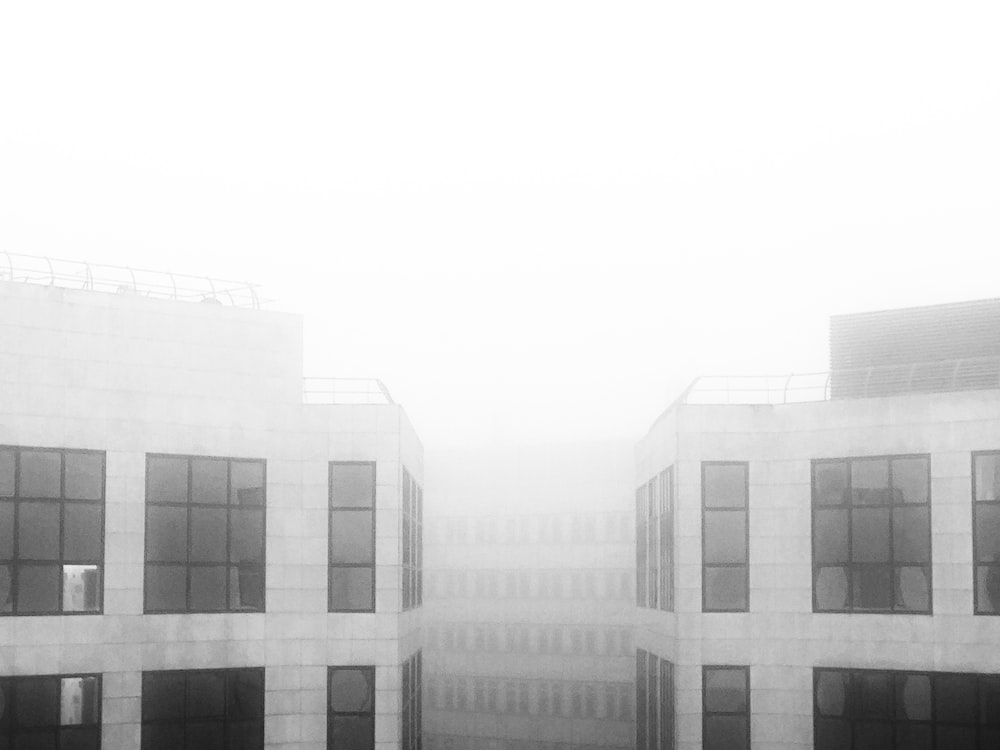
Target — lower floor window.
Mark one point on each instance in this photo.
(206, 708)
(61, 712)
(726, 705)
(351, 712)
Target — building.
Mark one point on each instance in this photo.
(818, 557)
(195, 549)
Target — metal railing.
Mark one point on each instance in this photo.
(972, 373)
(76, 274)
(345, 391)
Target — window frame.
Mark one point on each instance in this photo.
(705, 510)
(706, 715)
(976, 565)
(188, 505)
(331, 565)
(331, 714)
(15, 680)
(16, 500)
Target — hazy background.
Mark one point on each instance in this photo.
(535, 221)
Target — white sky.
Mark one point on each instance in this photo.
(533, 220)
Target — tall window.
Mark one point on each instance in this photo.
(654, 696)
(204, 534)
(655, 542)
(51, 531)
(352, 536)
(725, 537)
(641, 546)
(351, 715)
(665, 517)
(872, 535)
(207, 708)
(413, 542)
(726, 708)
(986, 525)
(905, 710)
(61, 712)
(411, 718)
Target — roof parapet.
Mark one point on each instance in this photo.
(345, 391)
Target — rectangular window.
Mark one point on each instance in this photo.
(412, 530)
(665, 518)
(59, 712)
(351, 712)
(726, 708)
(641, 546)
(904, 710)
(412, 702)
(51, 531)
(986, 530)
(352, 536)
(218, 708)
(205, 531)
(654, 702)
(725, 536)
(871, 535)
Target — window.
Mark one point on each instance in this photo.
(641, 546)
(51, 531)
(413, 541)
(905, 710)
(352, 536)
(665, 519)
(872, 535)
(654, 696)
(726, 708)
(986, 530)
(725, 537)
(351, 715)
(204, 534)
(61, 712)
(412, 702)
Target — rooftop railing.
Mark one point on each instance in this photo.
(75, 274)
(973, 373)
(345, 391)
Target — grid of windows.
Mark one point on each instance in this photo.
(726, 708)
(905, 710)
(725, 537)
(654, 702)
(412, 715)
(532, 584)
(986, 530)
(51, 531)
(204, 534)
(61, 712)
(608, 701)
(655, 542)
(413, 542)
(872, 535)
(211, 708)
(488, 638)
(352, 536)
(351, 714)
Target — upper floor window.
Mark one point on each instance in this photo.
(352, 536)
(726, 708)
(204, 534)
(411, 717)
(872, 534)
(654, 702)
(61, 712)
(986, 527)
(351, 713)
(412, 512)
(51, 531)
(725, 536)
(655, 542)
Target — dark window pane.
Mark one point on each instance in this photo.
(6, 588)
(914, 736)
(208, 588)
(987, 477)
(351, 589)
(37, 702)
(956, 738)
(247, 480)
(82, 532)
(725, 536)
(955, 698)
(832, 734)
(870, 481)
(872, 735)
(873, 695)
(208, 534)
(162, 696)
(725, 690)
(988, 589)
(209, 480)
(725, 485)
(39, 739)
(204, 735)
(40, 474)
(911, 535)
(989, 738)
(79, 700)
(913, 589)
(38, 531)
(351, 537)
(206, 695)
(166, 588)
(80, 738)
(989, 701)
(6, 473)
(870, 535)
(162, 737)
(84, 476)
(873, 587)
(6, 530)
(245, 698)
(352, 485)
(81, 588)
(38, 588)
(246, 735)
(987, 533)
(831, 693)
(913, 697)
(725, 733)
(830, 482)
(166, 534)
(352, 733)
(726, 589)
(830, 536)
(831, 589)
(247, 543)
(246, 586)
(352, 690)
(909, 479)
(167, 480)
